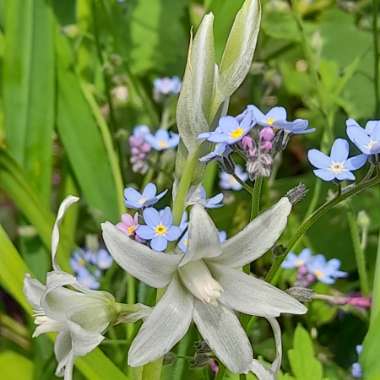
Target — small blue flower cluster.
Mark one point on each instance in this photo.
(164, 87)
(142, 141)
(313, 268)
(356, 369)
(255, 135)
(158, 229)
(338, 166)
(89, 266)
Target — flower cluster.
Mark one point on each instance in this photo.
(356, 369)
(164, 87)
(255, 135)
(313, 268)
(142, 141)
(229, 181)
(155, 227)
(89, 266)
(338, 166)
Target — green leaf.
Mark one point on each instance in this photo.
(371, 345)
(196, 95)
(15, 366)
(29, 88)
(82, 139)
(27, 200)
(302, 358)
(12, 270)
(240, 47)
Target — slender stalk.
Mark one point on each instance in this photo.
(256, 197)
(376, 55)
(359, 252)
(375, 310)
(313, 218)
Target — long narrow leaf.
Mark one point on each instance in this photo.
(29, 88)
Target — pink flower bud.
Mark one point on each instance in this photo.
(267, 134)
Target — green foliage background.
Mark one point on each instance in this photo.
(62, 131)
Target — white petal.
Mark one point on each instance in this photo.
(67, 202)
(47, 325)
(203, 236)
(222, 331)
(33, 291)
(250, 295)
(260, 371)
(167, 324)
(153, 268)
(257, 237)
(276, 365)
(83, 341)
(64, 354)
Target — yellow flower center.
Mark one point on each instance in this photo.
(337, 167)
(81, 262)
(318, 274)
(131, 230)
(270, 121)
(163, 144)
(160, 229)
(299, 262)
(142, 200)
(236, 133)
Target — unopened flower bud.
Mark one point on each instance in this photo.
(301, 294)
(297, 193)
(363, 219)
(267, 134)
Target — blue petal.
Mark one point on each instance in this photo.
(159, 196)
(358, 136)
(145, 232)
(150, 191)
(166, 217)
(215, 201)
(290, 261)
(373, 129)
(151, 217)
(345, 176)
(324, 174)
(228, 123)
(257, 115)
(174, 140)
(131, 194)
(318, 159)
(339, 150)
(277, 113)
(356, 162)
(159, 243)
(162, 134)
(305, 255)
(173, 233)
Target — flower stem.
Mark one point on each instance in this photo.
(376, 55)
(256, 197)
(359, 252)
(272, 275)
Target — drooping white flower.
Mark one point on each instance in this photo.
(206, 285)
(79, 315)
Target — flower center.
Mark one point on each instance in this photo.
(319, 274)
(198, 280)
(131, 229)
(299, 263)
(160, 229)
(371, 144)
(337, 167)
(236, 133)
(141, 201)
(163, 144)
(270, 121)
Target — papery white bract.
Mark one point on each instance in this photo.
(206, 285)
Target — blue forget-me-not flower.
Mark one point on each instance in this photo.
(366, 139)
(162, 139)
(159, 228)
(276, 118)
(337, 165)
(137, 200)
(326, 271)
(296, 261)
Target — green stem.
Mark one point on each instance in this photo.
(272, 275)
(359, 252)
(376, 55)
(256, 197)
(375, 310)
